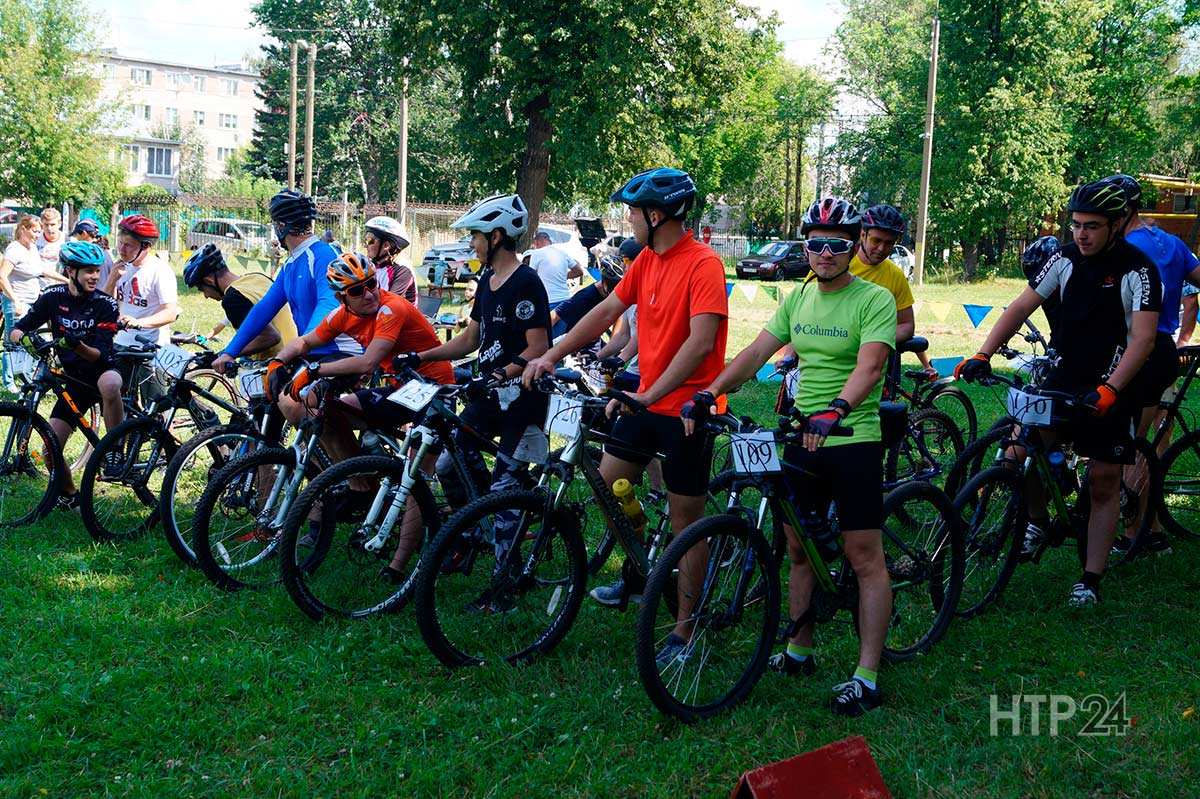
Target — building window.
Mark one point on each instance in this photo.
(172, 116)
(228, 121)
(231, 87)
(110, 71)
(141, 111)
(158, 161)
(139, 76)
(224, 153)
(179, 79)
(1184, 203)
(198, 83)
(198, 118)
(130, 152)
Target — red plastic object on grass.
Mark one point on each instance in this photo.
(841, 770)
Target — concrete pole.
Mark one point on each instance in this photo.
(926, 157)
(291, 153)
(310, 104)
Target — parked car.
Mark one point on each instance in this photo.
(459, 254)
(8, 224)
(775, 260)
(231, 235)
(903, 258)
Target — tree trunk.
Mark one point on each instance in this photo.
(534, 171)
(970, 259)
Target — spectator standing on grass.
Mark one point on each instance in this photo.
(21, 270)
(554, 266)
(51, 240)
(86, 230)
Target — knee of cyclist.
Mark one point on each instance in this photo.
(796, 554)
(109, 385)
(1104, 483)
(864, 552)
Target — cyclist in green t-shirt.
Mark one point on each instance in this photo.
(843, 328)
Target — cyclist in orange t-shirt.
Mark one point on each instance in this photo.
(678, 285)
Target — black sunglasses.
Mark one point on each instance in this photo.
(836, 246)
(370, 284)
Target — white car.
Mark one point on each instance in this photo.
(231, 235)
(8, 223)
(458, 254)
(903, 258)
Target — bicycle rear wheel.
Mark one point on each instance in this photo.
(339, 571)
(954, 402)
(984, 451)
(31, 466)
(473, 608)
(923, 550)
(930, 446)
(733, 617)
(992, 508)
(1179, 506)
(118, 495)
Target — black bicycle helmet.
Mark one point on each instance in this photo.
(612, 268)
(290, 207)
(884, 217)
(1101, 197)
(204, 262)
(1038, 254)
(1131, 187)
(832, 213)
(630, 248)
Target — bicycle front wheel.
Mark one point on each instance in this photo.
(1179, 505)
(31, 466)
(118, 495)
(338, 566)
(923, 551)
(992, 509)
(189, 473)
(503, 580)
(727, 583)
(954, 402)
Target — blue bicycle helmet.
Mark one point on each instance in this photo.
(80, 255)
(204, 262)
(669, 190)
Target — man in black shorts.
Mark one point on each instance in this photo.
(1110, 294)
(82, 322)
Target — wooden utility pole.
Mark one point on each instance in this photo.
(927, 157)
(291, 153)
(798, 206)
(309, 107)
(820, 160)
(402, 155)
(787, 181)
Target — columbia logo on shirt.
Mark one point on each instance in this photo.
(816, 330)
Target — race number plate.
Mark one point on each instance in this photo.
(1029, 409)
(23, 364)
(252, 385)
(415, 394)
(563, 416)
(172, 360)
(755, 453)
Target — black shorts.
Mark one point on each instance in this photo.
(687, 460)
(486, 417)
(381, 413)
(1157, 374)
(84, 390)
(1107, 438)
(848, 475)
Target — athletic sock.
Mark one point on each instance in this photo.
(799, 653)
(866, 677)
(1091, 580)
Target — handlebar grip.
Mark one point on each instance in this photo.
(626, 400)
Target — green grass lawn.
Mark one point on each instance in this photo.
(125, 675)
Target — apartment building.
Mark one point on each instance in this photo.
(162, 101)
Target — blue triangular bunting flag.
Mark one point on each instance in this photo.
(767, 373)
(976, 313)
(728, 289)
(595, 273)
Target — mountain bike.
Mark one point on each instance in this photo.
(735, 597)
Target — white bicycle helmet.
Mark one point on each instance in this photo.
(499, 212)
(385, 227)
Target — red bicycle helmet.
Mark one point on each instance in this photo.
(140, 227)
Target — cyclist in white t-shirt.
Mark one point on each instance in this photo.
(143, 284)
(554, 266)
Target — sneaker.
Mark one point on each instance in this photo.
(853, 698)
(1157, 543)
(1082, 596)
(1035, 537)
(611, 595)
(114, 464)
(68, 501)
(673, 649)
(787, 665)
(309, 539)
(493, 603)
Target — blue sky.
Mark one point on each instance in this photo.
(219, 31)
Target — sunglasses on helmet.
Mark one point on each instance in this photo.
(370, 284)
(836, 246)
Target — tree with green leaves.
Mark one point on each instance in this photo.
(51, 119)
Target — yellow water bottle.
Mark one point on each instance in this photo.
(623, 490)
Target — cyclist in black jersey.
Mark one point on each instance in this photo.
(1110, 295)
(82, 321)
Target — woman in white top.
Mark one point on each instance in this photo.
(21, 271)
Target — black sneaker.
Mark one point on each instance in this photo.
(492, 603)
(68, 502)
(788, 666)
(853, 698)
(1156, 543)
(1035, 536)
(1083, 596)
(114, 465)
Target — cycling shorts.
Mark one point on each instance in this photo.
(848, 475)
(687, 460)
(83, 388)
(1158, 373)
(1107, 438)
